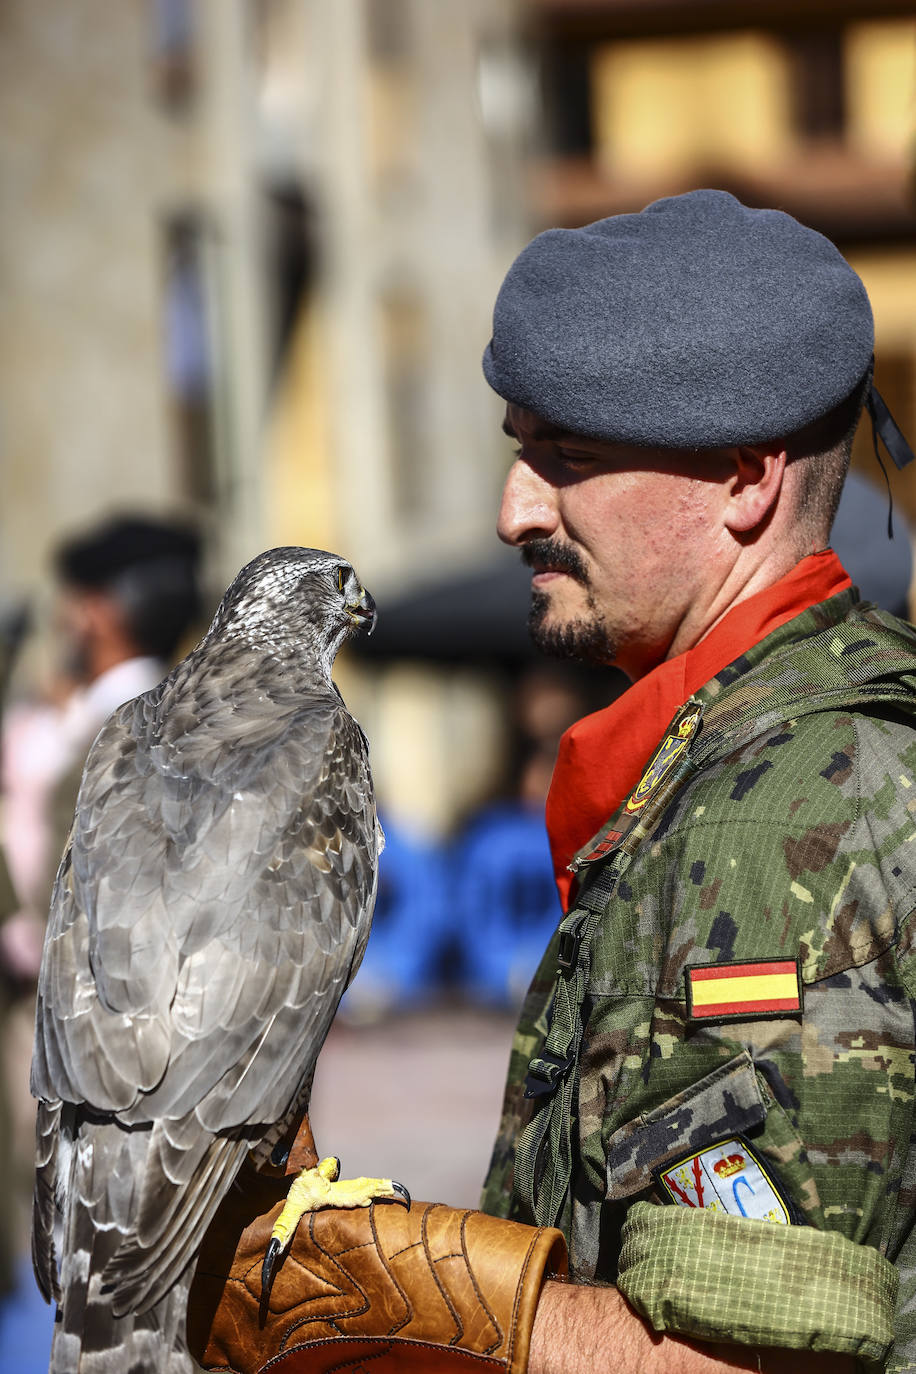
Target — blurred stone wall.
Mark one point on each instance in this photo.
(82, 420)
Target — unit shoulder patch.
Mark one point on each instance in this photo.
(728, 1176)
(748, 991)
(680, 733)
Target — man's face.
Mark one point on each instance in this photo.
(621, 541)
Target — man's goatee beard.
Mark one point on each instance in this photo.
(586, 641)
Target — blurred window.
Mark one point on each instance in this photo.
(289, 255)
(187, 354)
(388, 24)
(567, 99)
(880, 76)
(686, 105)
(405, 349)
(393, 116)
(818, 83)
(174, 68)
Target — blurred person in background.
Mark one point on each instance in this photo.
(711, 1089)
(128, 595)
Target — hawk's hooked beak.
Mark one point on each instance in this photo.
(363, 612)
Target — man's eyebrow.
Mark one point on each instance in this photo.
(543, 430)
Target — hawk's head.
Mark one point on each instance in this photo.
(295, 602)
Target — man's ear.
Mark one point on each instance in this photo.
(753, 486)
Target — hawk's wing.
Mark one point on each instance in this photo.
(213, 902)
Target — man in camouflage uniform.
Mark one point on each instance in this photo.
(724, 1021)
(711, 1090)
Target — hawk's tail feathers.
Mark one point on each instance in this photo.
(44, 1254)
(151, 1342)
(169, 1235)
(97, 1190)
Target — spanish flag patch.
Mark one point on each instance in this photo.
(743, 992)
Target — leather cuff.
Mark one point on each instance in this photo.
(435, 1288)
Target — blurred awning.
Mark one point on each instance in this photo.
(477, 615)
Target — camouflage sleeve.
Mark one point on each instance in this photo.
(788, 854)
(724, 1278)
(903, 1253)
(497, 1196)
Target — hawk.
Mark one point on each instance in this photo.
(212, 904)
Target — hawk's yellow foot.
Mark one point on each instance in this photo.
(322, 1187)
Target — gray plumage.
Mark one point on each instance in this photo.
(212, 904)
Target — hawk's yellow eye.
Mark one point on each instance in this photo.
(340, 579)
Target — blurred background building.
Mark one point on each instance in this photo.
(248, 254)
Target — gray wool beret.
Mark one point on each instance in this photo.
(696, 323)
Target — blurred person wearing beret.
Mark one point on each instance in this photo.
(128, 595)
(711, 1090)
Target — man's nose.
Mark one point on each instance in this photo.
(527, 510)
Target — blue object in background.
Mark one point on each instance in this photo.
(26, 1326)
(880, 567)
(400, 966)
(503, 899)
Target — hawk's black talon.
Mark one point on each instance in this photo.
(403, 1198)
(268, 1269)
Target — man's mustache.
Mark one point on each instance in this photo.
(549, 555)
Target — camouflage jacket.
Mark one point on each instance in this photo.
(783, 830)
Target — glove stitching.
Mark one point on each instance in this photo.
(518, 1294)
(494, 1345)
(459, 1324)
(390, 1347)
(408, 1307)
(353, 1283)
(358, 1360)
(363, 1245)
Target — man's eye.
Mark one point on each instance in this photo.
(577, 462)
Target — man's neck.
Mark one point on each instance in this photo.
(753, 571)
(108, 652)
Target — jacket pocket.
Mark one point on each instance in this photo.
(726, 1102)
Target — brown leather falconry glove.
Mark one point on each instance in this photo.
(432, 1288)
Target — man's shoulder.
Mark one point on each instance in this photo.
(806, 829)
(818, 687)
(819, 763)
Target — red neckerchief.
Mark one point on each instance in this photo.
(602, 757)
